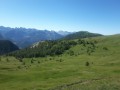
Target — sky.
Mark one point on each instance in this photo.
(97, 16)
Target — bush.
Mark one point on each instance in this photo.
(38, 61)
(61, 60)
(23, 63)
(7, 59)
(20, 59)
(50, 58)
(71, 53)
(87, 64)
(32, 61)
(105, 48)
(19, 67)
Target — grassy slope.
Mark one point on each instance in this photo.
(66, 72)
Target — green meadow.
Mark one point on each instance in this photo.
(99, 70)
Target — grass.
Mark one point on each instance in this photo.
(66, 72)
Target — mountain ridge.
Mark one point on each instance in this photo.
(81, 34)
(64, 33)
(23, 37)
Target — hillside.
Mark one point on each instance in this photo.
(1, 37)
(7, 46)
(81, 34)
(91, 64)
(56, 47)
(24, 37)
(45, 48)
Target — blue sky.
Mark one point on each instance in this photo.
(99, 16)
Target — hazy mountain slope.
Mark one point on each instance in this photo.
(81, 34)
(1, 37)
(7, 46)
(25, 37)
(64, 33)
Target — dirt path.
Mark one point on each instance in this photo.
(75, 83)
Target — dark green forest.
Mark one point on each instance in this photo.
(7, 46)
(51, 48)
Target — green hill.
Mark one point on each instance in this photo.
(45, 48)
(81, 34)
(7, 46)
(91, 64)
(57, 47)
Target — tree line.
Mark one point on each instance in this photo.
(51, 48)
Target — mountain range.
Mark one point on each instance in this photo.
(64, 33)
(24, 37)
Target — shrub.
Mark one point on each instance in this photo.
(7, 59)
(32, 61)
(105, 48)
(87, 64)
(20, 59)
(19, 67)
(50, 58)
(23, 63)
(71, 53)
(61, 60)
(38, 61)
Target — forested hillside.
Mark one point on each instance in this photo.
(52, 48)
(7, 46)
(81, 34)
